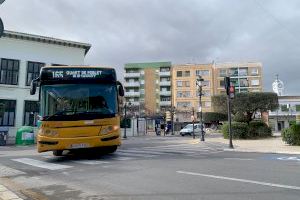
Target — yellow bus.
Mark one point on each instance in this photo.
(79, 108)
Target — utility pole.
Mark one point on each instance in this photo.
(193, 119)
(230, 91)
(199, 83)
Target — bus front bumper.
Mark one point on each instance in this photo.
(45, 143)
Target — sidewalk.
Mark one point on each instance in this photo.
(268, 145)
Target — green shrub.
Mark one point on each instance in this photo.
(258, 129)
(239, 130)
(291, 135)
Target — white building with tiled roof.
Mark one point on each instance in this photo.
(21, 57)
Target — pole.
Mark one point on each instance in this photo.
(125, 117)
(201, 116)
(193, 123)
(229, 121)
(172, 115)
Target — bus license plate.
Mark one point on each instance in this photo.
(79, 146)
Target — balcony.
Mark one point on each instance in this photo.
(134, 103)
(132, 75)
(165, 83)
(165, 93)
(132, 94)
(165, 103)
(168, 73)
(132, 84)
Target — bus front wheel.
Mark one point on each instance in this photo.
(111, 149)
(57, 152)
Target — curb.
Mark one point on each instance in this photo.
(255, 151)
(6, 194)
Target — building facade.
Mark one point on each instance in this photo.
(245, 76)
(289, 108)
(148, 88)
(21, 58)
(185, 91)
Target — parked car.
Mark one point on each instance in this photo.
(188, 130)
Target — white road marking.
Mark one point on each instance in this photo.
(142, 151)
(7, 171)
(241, 180)
(123, 158)
(291, 158)
(134, 155)
(41, 164)
(238, 159)
(90, 162)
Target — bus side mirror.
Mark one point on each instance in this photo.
(120, 89)
(33, 86)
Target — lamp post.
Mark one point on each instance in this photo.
(125, 118)
(199, 83)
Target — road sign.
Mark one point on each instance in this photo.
(1, 27)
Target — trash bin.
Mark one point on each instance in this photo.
(25, 136)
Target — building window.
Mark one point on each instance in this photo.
(31, 113)
(9, 71)
(233, 72)
(284, 108)
(183, 94)
(187, 74)
(255, 82)
(222, 83)
(179, 73)
(254, 71)
(183, 83)
(184, 104)
(234, 82)
(243, 72)
(207, 104)
(205, 93)
(297, 107)
(244, 82)
(205, 83)
(33, 71)
(223, 72)
(202, 72)
(164, 69)
(7, 112)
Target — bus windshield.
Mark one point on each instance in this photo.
(78, 101)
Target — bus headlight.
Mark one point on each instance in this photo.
(108, 129)
(48, 132)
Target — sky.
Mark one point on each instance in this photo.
(180, 31)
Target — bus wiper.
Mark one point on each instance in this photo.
(59, 113)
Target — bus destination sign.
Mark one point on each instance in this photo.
(76, 73)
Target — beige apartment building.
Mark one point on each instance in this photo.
(245, 76)
(148, 88)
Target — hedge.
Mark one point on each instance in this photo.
(291, 135)
(241, 130)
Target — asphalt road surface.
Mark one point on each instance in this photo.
(151, 168)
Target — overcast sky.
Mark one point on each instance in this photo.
(180, 31)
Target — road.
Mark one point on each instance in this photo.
(151, 168)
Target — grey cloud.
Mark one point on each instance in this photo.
(171, 30)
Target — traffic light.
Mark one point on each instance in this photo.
(231, 92)
(227, 84)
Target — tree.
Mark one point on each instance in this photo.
(245, 105)
(209, 117)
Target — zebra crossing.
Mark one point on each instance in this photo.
(52, 163)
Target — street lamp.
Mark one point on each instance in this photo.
(125, 118)
(1, 23)
(199, 83)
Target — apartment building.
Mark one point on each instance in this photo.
(245, 76)
(185, 91)
(148, 87)
(21, 57)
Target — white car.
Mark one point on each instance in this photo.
(188, 130)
